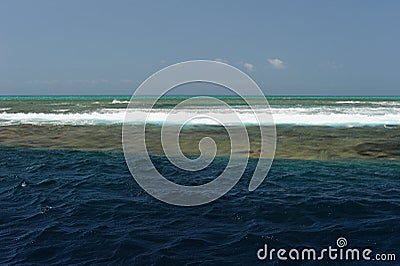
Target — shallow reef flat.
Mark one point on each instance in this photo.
(293, 142)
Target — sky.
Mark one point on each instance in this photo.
(288, 47)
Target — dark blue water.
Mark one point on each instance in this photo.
(70, 207)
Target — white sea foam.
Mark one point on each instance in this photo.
(349, 102)
(386, 103)
(382, 103)
(115, 101)
(313, 116)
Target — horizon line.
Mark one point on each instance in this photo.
(189, 95)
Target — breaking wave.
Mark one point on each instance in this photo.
(305, 116)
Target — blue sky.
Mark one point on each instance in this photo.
(287, 47)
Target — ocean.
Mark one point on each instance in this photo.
(107, 110)
(67, 196)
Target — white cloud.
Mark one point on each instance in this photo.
(276, 63)
(249, 67)
(221, 60)
(335, 65)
